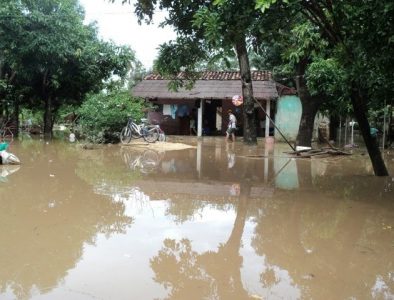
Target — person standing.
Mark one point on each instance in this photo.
(232, 126)
(193, 123)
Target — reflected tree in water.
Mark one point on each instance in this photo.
(43, 235)
(318, 238)
(190, 275)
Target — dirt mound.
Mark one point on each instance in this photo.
(166, 146)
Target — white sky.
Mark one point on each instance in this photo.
(118, 23)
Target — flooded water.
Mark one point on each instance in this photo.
(215, 221)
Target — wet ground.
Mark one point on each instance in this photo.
(214, 221)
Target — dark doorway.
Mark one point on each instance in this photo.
(209, 119)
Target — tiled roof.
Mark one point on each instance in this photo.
(212, 85)
(213, 75)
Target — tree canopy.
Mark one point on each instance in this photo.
(49, 57)
(360, 34)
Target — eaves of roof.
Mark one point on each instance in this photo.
(205, 89)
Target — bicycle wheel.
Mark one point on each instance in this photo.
(150, 157)
(135, 134)
(149, 161)
(162, 136)
(151, 133)
(125, 135)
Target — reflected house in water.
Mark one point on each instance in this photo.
(209, 222)
(212, 170)
(209, 99)
(298, 228)
(205, 177)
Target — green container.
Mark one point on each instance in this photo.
(3, 146)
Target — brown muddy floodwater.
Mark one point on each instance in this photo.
(214, 221)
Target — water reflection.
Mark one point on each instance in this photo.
(316, 232)
(144, 160)
(188, 274)
(5, 171)
(185, 225)
(43, 231)
(230, 155)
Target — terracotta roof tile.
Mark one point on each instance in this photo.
(216, 75)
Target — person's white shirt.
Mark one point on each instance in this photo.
(232, 121)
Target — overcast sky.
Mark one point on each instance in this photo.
(117, 22)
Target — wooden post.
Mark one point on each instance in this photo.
(200, 114)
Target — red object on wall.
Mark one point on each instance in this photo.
(237, 100)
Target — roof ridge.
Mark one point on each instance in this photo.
(257, 75)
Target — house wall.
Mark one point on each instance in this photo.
(288, 116)
(213, 121)
(215, 116)
(166, 116)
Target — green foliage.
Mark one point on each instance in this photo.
(264, 5)
(49, 53)
(327, 77)
(102, 116)
(181, 54)
(136, 74)
(34, 115)
(65, 110)
(360, 38)
(207, 33)
(305, 43)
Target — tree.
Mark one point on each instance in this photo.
(56, 55)
(318, 76)
(355, 31)
(11, 32)
(206, 31)
(294, 50)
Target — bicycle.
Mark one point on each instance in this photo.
(150, 133)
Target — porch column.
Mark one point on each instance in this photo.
(267, 119)
(200, 113)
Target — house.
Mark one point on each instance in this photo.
(208, 101)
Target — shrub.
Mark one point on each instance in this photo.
(102, 116)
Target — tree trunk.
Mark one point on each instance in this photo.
(359, 108)
(250, 134)
(305, 131)
(16, 113)
(48, 117)
(334, 124)
(310, 106)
